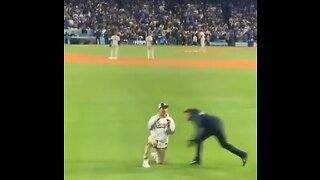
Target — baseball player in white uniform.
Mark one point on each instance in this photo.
(161, 126)
(202, 38)
(150, 46)
(114, 46)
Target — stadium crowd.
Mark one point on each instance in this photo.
(172, 22)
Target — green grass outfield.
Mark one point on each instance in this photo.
(107, 108)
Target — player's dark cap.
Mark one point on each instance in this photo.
(163, 105)
(191, 110)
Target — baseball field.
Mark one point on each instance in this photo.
(107, 104)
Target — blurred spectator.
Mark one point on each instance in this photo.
(84, 31)
(106, 36)
(195, 40)
(98, 36)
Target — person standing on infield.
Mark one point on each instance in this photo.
(150, 46)
(209, 125)
(114, 45)
(161, 126)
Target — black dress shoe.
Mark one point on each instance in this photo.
(244, 159)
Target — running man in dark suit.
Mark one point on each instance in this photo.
(208, 125)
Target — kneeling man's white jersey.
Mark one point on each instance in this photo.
(160, 129)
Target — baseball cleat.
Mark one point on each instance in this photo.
(145, 164)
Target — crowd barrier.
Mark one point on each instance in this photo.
(103, 41)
